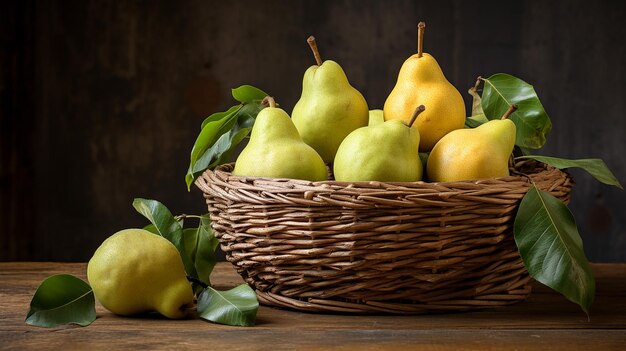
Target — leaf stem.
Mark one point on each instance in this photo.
(416, 113)
(420, 38)
(508, 112)
(181, 216)
(197, 281)
(316, 53)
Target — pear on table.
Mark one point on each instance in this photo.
(135, 271)
(275, 150)
(467, 154)
(421, 81)
(386, 152)
(329, 108)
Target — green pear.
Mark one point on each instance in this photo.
(386, 152)
(421, 81)
(275, 150)
(135, 271)
(375, 117)
(466, 154)
(329, 108)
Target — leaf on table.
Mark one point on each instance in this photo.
(165, 225)
(500, 91)
(237, 306)
(594, 166)
(248, 93)
(62, 299)
(551, 248)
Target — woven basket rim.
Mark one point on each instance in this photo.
(231, 165)
(516, 179)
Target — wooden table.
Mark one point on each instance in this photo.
(546, 321)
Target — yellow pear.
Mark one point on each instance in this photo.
(135, 271)
(276, 150)
(329, 108)
(421, 81)
(481, 152)
(385, 151)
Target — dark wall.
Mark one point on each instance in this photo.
(101, 100)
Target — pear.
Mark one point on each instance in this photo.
(135, 271)
(329, 107)
(276, 150)
(375, 117)
(481, 152)
(421, 81)
(386, 152)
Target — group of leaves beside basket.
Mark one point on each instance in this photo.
(66, 299)
(544, 229)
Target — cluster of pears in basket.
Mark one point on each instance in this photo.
(331, 124)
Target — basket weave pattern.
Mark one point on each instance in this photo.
(372, 247)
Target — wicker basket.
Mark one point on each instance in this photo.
(373, 247)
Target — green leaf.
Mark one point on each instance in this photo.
(220, 115)
(223, 147)
(475, 121)
(205, 139)
(221, 137)
(594, 166)
(62, 299)
(205, 253)
(248, 93)
(533, 124)
(160, 216)
(190, 241)
(237, 306)
(166, 226)
(152, 229)
(551, 248)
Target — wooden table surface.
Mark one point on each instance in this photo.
(546, 321)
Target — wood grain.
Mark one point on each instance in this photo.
(546, 321)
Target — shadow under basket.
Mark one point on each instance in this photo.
(375, 247)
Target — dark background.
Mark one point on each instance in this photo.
(101, 101)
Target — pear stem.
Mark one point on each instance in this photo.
(420, 38)
(508, 112)
(269, 101)
(197, 281)
(416, 113)
(316, 53)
